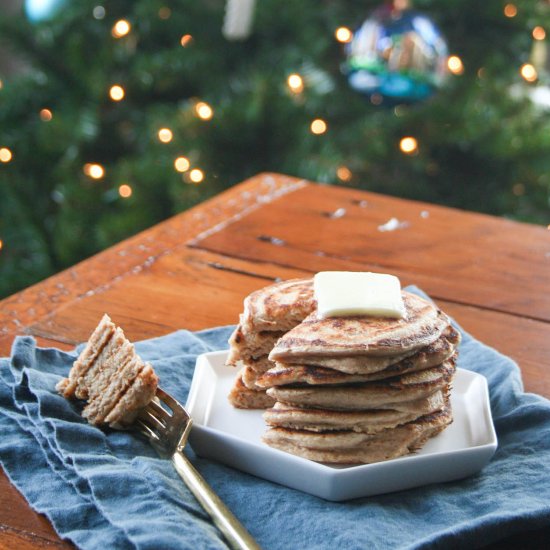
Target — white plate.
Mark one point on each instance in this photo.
(233, 436)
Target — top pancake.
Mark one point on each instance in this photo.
(280, 306)
(362, 335)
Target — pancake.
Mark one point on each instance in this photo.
(357, 364)
(320, 420)
(249, 345)
(111, 377)
(242, 397)
(362, 335)
(370, 395)
(347, 447)
(257, 364)
(280, 306)
(250, 378)
(283, 374)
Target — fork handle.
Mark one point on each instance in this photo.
(234, 532)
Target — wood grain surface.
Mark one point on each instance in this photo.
(193, 271)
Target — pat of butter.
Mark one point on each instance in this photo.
(347, 293)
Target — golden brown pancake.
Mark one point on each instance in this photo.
(373, 421)
(283, 374)
(370, 395)
(363, 335)
(250, 378)
(361, 364)
(244, 398)
(279, 306)
(111, 377)
(347, 447)
(246, 344)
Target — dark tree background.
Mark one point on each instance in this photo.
(80, 170)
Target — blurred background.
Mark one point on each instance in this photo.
(116, 115)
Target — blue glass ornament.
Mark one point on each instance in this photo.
(398, 56)
(42, 10)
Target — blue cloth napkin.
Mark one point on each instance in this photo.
(108, 489)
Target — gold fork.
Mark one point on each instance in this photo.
(167, 424)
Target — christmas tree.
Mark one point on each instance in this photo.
(124, 113)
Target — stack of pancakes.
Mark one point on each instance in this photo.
(344, 390)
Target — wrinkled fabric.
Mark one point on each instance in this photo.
(109, 489)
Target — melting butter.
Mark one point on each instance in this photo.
(347, 293)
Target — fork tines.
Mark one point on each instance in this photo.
(164, 422)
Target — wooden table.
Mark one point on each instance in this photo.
(194, 270)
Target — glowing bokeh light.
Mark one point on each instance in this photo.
(165, 135)
(182, 164)
(186, 40)
(5, 155)
(344, 173)
(125, 191)
(455, 65)
(295, 83)
(196, 175)
(46, 115)
(203, 110)
(94, 170)
(318, 126)
(539, 33)
(116, 92)
(510, 10)
(408, 145)
(121, 28)
(343, 34)
(528, 72)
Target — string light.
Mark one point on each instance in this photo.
(510, 10)
(455, 65)
(203, 110)
(518, 189)
(186, 40)
(165, 12)
(376, 99)
(46, 115)
(116, 92)
(528, 72)
(165, 135)
(93, 170)
(318, 126)
(343, 35)
(1, 244)
(125, 191)
(408, 145)
(182, 164)
(539, 33)
(196, 175)
(121, 28)
(5, 155)
(295, 83)
(344, 173)
(98, 12)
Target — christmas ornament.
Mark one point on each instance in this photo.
(396, 56)
(237, 23)
(42, 10)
